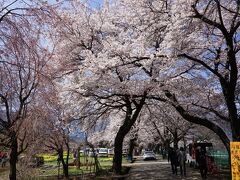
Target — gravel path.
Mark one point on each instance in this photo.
(161, 170)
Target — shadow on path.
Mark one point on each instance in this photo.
(161, 170)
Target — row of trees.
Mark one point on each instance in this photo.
(139, 52)
(24, 68)
(127, 62)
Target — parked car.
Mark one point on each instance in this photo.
(102, 152)
(149, 155)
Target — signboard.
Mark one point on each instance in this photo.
(235, 160)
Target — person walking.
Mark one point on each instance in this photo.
(182, 161)
(172, 157)
(4, 160)
(203, 164)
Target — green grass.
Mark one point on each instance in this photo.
(50, 167)
(51, 161)
(72, 171)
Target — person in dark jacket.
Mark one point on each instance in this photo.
(202, 161)
(172, 157)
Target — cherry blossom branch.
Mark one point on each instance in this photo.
(212, 110)
(203, 64)
(198, 120)
(208, 21)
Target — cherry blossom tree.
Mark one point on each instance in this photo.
(105, 51)
(116, 59)
(57, 139)
(204, 35)
(197, 80)
(23, 60)
(52, 122)
(168, 126)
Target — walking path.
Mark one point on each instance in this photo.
(161, 170)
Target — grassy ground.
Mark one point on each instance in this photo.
(87, 165)
(51, 167)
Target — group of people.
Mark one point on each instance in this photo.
(178, 157)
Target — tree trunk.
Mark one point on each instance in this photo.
(232, 111)
(97, 164)
(235, 121)
(175, 139)
(166, 144)
(64, 164)
(78, 158)
(130, 119)
(118, 145)
(229, 84)
(13, 157)
(157, 148)
(65, 170)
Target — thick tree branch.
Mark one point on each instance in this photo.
(213, 111)
(198, 120)
(209, 22)
(204, 65)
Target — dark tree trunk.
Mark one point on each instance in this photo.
(229, 88)
(175, 139)
(157, 148)
(166, 144)
(118, 145)
(13, 157)
(64, 164)
(229, 95)
(130, 119)
(233, 116)
(65, 170)
(78, 158)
